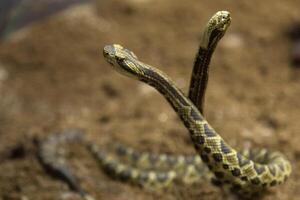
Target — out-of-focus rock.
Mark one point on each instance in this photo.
(16, 14)
(294, 37)
(295, 55)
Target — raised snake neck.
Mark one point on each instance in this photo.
(213, 32)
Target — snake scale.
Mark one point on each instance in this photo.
(246, 173)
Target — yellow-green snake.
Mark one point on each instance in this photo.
(245, 173)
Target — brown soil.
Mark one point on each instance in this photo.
(53, 76)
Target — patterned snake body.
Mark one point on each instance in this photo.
(229, 166)
(246, 173)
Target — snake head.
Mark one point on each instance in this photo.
(220, 21)
(215, 29)
(123, 60)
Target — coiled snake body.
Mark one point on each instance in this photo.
(246, 173)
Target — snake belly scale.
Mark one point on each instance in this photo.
(245, 173)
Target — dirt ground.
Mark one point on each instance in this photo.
(53, 76)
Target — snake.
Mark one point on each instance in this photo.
(246, 173)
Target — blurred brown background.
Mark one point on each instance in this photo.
(53, 76)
